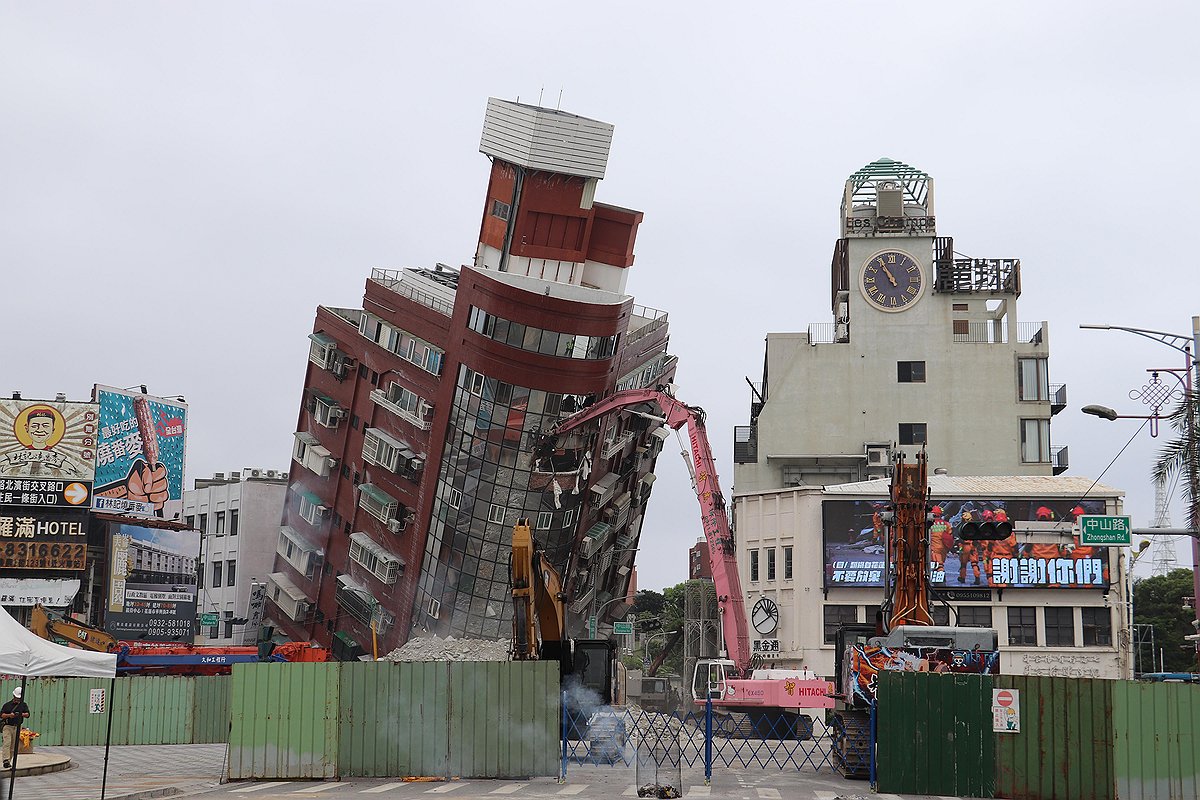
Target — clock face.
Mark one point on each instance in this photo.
(765, 616)
(892, 280)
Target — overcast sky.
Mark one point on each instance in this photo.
(181, 184)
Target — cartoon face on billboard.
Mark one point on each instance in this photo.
(48, 440)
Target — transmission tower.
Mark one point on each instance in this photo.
(1164, 546)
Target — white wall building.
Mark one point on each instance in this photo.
(238, 517)
(924, 351)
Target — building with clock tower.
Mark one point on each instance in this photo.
(924, 351)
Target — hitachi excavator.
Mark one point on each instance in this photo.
(904, 636)
(773, 699)
(586, 666)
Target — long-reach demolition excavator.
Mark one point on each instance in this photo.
(772, 698)
(904, 636)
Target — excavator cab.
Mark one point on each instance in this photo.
(709, 679)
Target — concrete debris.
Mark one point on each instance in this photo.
(435, 648)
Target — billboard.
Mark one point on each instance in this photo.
(854, 546)
(864, 663)
(47, 452)
(43, 538)
(140, 451)
(152, 583)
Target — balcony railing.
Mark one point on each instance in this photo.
(1058, 397)
(985, 332)
(393, 279)
(1031, 332)
(1058, 457)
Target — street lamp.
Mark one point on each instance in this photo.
(1190, 348)
(646, 643)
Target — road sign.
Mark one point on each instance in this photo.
(96, 701)
(208, 620)
(623, 628)
(1006, 711)
(592, 626)
(1101, 531)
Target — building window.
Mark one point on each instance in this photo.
(190, 520)
(835, 618)
(233, 522)
(231, 572)
(940, 614)
(568, 518)
(1060, 627)
(543, 520)
(216, 574)
(500, 209)
(753, 565)
(771, 563)
(1022, 625)
(203, 523)
(910, 371)
(1033, 382)
(975, 616)
(454, 498)
(912, 433)
(1097, 627)
(959, 307)
(871, 615)
(220, 523)
(962, 327)
(496, 513)
(1035, 441)
(787, 563)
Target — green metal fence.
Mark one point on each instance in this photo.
(1079, 739)
(1156, 740)
(166, 709)
(935, 734)
(381, 719)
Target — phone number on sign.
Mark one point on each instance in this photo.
(43, 555)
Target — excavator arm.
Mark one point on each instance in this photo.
(713, 514)
(71, 633)
(539, 615)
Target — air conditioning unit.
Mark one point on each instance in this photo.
(322, 511)
(396, 525)
(338, 369)
(416, 464)
(254, 473)
(272, 473)
(331, 464)
(337, 412)
(283, 475)
(877, 455)
(841, 332)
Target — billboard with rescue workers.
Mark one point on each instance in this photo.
(854, 537)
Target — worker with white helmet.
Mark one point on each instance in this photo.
(11, 715)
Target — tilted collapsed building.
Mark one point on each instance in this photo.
(417, 440)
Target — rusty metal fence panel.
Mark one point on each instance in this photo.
(1156, 740)
(935, 734)
(1064, 748)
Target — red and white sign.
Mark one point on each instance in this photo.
(1006, 711)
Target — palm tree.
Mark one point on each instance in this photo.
(1180, 456)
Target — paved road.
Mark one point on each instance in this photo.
(194, 771)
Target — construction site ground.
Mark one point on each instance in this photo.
(195, 771)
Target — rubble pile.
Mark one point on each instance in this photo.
(435, 648)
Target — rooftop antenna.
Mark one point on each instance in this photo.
(559, 106)
(540, 90)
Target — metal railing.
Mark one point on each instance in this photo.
(986, 332)
(1059, 458)
(393, 279)
(1031, 332)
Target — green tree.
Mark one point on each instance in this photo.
(1179, 456)
(1159, 601)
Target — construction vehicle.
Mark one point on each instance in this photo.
(166, 658)
(904, 636)
(587, 667)
(773, 699)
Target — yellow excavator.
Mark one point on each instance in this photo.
(71, 633)
(586, 666)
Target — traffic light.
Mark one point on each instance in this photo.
(977, 528)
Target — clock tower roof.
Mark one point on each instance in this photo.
(880, 196)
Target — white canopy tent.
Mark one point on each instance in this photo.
(24, 653)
